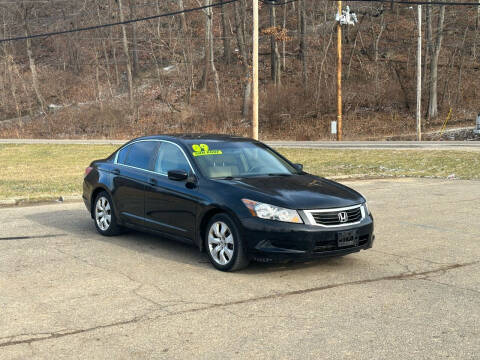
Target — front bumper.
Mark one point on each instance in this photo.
(272, 241)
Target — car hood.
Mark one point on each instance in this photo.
(299, 191)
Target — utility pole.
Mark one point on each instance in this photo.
(346, 17)
(419, 75)
(255, 72)
(339, 74)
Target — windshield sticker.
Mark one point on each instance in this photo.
(203, 149)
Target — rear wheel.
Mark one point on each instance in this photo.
(104, 215)
(224, 246)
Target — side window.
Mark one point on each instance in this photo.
(140, 155)
(170, 157)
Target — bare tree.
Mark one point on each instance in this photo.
(105, 51)
(133, 15)
(241, 41)
(433, 102)
(428, 39)
(113, 47)
(183, 21)
(227, 53)
(3, 75)
(97, 78)
(187, 54)
(25, 10)
(211, 50)
(209, 62)
(303, 44)
(274, 54)
(284, 40)
(477, 30)
(377, 41)
(127, 55)
(12, 70)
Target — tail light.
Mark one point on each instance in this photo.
(87, 170)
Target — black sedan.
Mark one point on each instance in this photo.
(233, 197)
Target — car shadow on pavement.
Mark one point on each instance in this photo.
(77, 224)
(319, 264)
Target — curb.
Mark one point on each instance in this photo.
(5, 203)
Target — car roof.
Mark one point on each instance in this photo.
(202, 137)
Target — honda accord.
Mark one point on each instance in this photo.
(234, 198)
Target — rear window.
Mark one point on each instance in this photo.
(139, 155)
(122, 155)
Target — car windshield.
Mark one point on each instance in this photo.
(220, 159)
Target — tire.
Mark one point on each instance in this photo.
(223, 244)
(104, 215)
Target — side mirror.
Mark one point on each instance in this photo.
(299, 167)
(191, 181)
(177, 175)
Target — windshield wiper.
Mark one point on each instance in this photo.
(225, 178)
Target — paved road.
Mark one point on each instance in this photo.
(393, 145)
(385, 145)
(67, 292)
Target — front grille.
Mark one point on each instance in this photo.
(336, 217)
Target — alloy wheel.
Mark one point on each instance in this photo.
(220, 243)
(103, 213)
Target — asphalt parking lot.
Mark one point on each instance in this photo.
(66, 292)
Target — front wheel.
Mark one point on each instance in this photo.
(104, 215)
(224, 246)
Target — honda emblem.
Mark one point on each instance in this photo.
(343, 217)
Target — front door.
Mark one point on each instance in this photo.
(170, 206)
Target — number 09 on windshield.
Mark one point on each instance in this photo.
(203, 149)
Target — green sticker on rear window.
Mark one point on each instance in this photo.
(203, 149)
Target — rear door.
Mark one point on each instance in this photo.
(134, 163)
(170, 207)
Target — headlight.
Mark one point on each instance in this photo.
(367, 211)
(271, 212)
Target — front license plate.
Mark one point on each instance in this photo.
(347, 238)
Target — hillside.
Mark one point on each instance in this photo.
(77, 85)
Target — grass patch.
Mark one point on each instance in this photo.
(35, 172)
(44, 171)
(387, 163)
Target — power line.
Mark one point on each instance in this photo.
(174, 13)
(35, 1)
(276, 3)
(403, 2)
(79, 13)
(95, 27)
(406, 2)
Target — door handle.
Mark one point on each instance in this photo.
(116, 171)
(152, 181)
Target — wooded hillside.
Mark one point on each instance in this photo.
(192, 72)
